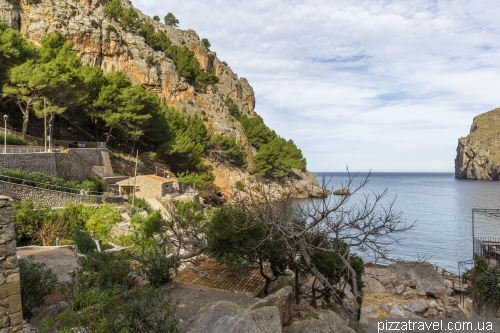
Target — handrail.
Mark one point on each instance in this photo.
(31, 183)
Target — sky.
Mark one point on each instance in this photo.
(387, 86)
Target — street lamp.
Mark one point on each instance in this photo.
(5, 117)
(50, 137)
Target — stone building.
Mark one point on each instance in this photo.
(149, 186)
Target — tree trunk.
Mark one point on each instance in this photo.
(264, 275)
(353, 313)
(26, 118)
(297, 291)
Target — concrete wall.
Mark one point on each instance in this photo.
(11, 314)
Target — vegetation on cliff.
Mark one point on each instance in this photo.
(51, 79)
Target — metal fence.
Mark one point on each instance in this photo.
(22, 150)
(47, 186)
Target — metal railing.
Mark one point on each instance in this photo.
(24, 150)
(47, 186)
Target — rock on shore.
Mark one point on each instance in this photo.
(478, 154)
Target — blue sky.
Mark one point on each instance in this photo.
(380, 85)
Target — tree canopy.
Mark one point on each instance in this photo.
(171, 20)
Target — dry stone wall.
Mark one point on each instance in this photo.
(67, 166)
(47, 197)
(11, 315)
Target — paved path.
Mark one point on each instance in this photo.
(60, 260)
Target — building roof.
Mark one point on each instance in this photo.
(211, 274)
(130, 181)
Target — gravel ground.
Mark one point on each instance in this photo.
(192, 298)
(60, 260)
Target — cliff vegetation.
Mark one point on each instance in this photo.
(105, 68)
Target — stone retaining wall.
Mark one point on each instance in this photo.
(31, 162)
(44, 196)
(59, 165)
(11, 314)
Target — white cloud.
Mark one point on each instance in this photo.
(387, 85)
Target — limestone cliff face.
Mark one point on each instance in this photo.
(84, 24)
(126, 51)
(478, 154)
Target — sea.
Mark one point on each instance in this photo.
(440, 206)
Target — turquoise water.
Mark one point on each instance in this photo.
(440, 205)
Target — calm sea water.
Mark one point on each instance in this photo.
(442, 208)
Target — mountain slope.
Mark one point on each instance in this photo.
(105, 42)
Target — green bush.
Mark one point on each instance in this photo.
(16, 140)
(84, 242)
(200, 180)
(240, 185)
(110, 28)
(37, 281)
(156, 18)
(206, 43)
(103, 299)
(103, 270)
(157, 268)
(42, 180)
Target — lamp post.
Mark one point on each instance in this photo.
(50, 137)
(5, 117)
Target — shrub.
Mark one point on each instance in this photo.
(205, 42)
(156, 267)
(94, 24)
(103, 270)
(42, 180)
(156, 18)
(110, 28)
(200, 180)
(37, 281)
(84, 242)
(16, 140)
(102, 299)
(150, 61)
(239, 185)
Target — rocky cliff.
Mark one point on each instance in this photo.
(114, 49)
(478, 154)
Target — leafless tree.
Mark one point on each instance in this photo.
(365, 226)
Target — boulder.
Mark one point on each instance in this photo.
(450, 301)
(372, 285)
(397, 310)
(342, 191)
(311, 325)
(327, 322)
(227, 316)
(428, 280)
(283, 299)
(432, 304)
(431, 313)
(336, 322)
(400, 289)
(49, 312)
(387, 279)
(367, 312)
(418, 306)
